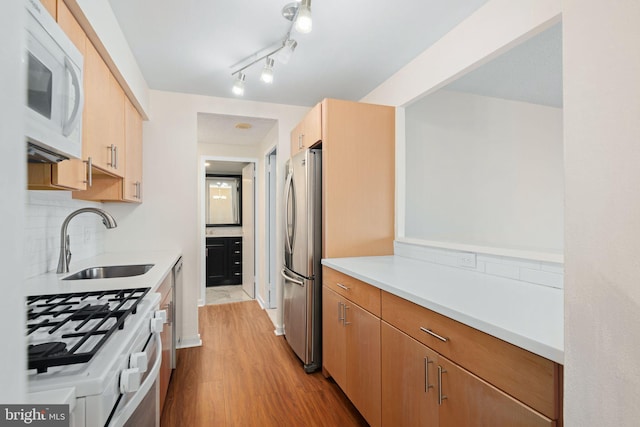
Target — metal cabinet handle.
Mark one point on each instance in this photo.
(89, 180)
(115, 150)
(340, 316)
(110, 148)
(345, 315)
(300, 137)
(137, 186)
(340, 285)
(433, 334)
(427, 386)
(441, 397)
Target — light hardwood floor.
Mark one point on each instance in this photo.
(245, 375)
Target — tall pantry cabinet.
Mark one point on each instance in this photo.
(358, 196)
(358, 174)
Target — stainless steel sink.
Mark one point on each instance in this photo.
(110, 272)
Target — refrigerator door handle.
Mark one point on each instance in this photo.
(288, 192)
(291, 279)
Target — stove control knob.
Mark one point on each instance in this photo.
(157, 324)
(139, 361)
(161, 314)
(130, 380)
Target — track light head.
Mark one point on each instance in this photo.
(267, 72)
(238, 86)
(284, 55)
(304, 24)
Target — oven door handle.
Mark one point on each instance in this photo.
(125, 413)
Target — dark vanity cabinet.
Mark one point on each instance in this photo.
(224, 261)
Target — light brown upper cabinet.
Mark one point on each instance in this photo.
(308, 132)
(132, 183)
(103, 124)
(358, 179)
(50, 5)
(358, 174)
(111, 132)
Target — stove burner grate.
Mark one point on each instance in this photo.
(77, 324)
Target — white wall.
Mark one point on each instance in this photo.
(168, 216)
(484, 171)
(12, 184)
(45, 213)
(602, 220)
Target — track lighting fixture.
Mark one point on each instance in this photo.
(238, 86)
(299, 13)
(303, 20)
(267, 71)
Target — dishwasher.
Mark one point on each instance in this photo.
(177, 293)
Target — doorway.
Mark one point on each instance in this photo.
(270, 227)
(229, 255)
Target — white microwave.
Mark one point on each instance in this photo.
(55, 95)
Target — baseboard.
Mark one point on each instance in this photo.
(263, 305)
(200, 302)
(279, 331)
(193, 341)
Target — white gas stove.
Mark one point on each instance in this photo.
(104, 345)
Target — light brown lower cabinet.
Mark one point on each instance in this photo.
(422, 388)
(166, 337)
(404, 365)
(351, 352)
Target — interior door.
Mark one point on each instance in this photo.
(248, 230)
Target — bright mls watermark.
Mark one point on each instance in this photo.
(34, 415)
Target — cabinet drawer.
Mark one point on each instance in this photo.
(363, 294)
(529, 378)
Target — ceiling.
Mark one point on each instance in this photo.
(530, 72)
(189, 45)
(236, 130)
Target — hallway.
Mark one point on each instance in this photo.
(245, 375)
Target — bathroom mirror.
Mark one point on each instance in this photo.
(223, 196)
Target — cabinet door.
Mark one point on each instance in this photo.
(334, 354)
(409, 383)
(470, 401)
(363, 361)
(308, 132)
(217, 262)
(132, 190)
(103, 121)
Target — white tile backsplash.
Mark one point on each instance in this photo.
(524, 270)
(45, 213)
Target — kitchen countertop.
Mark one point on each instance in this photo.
(51, 283)
(524, 314)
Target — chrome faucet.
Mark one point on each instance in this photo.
(65, 252)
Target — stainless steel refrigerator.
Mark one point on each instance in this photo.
(302, 254)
